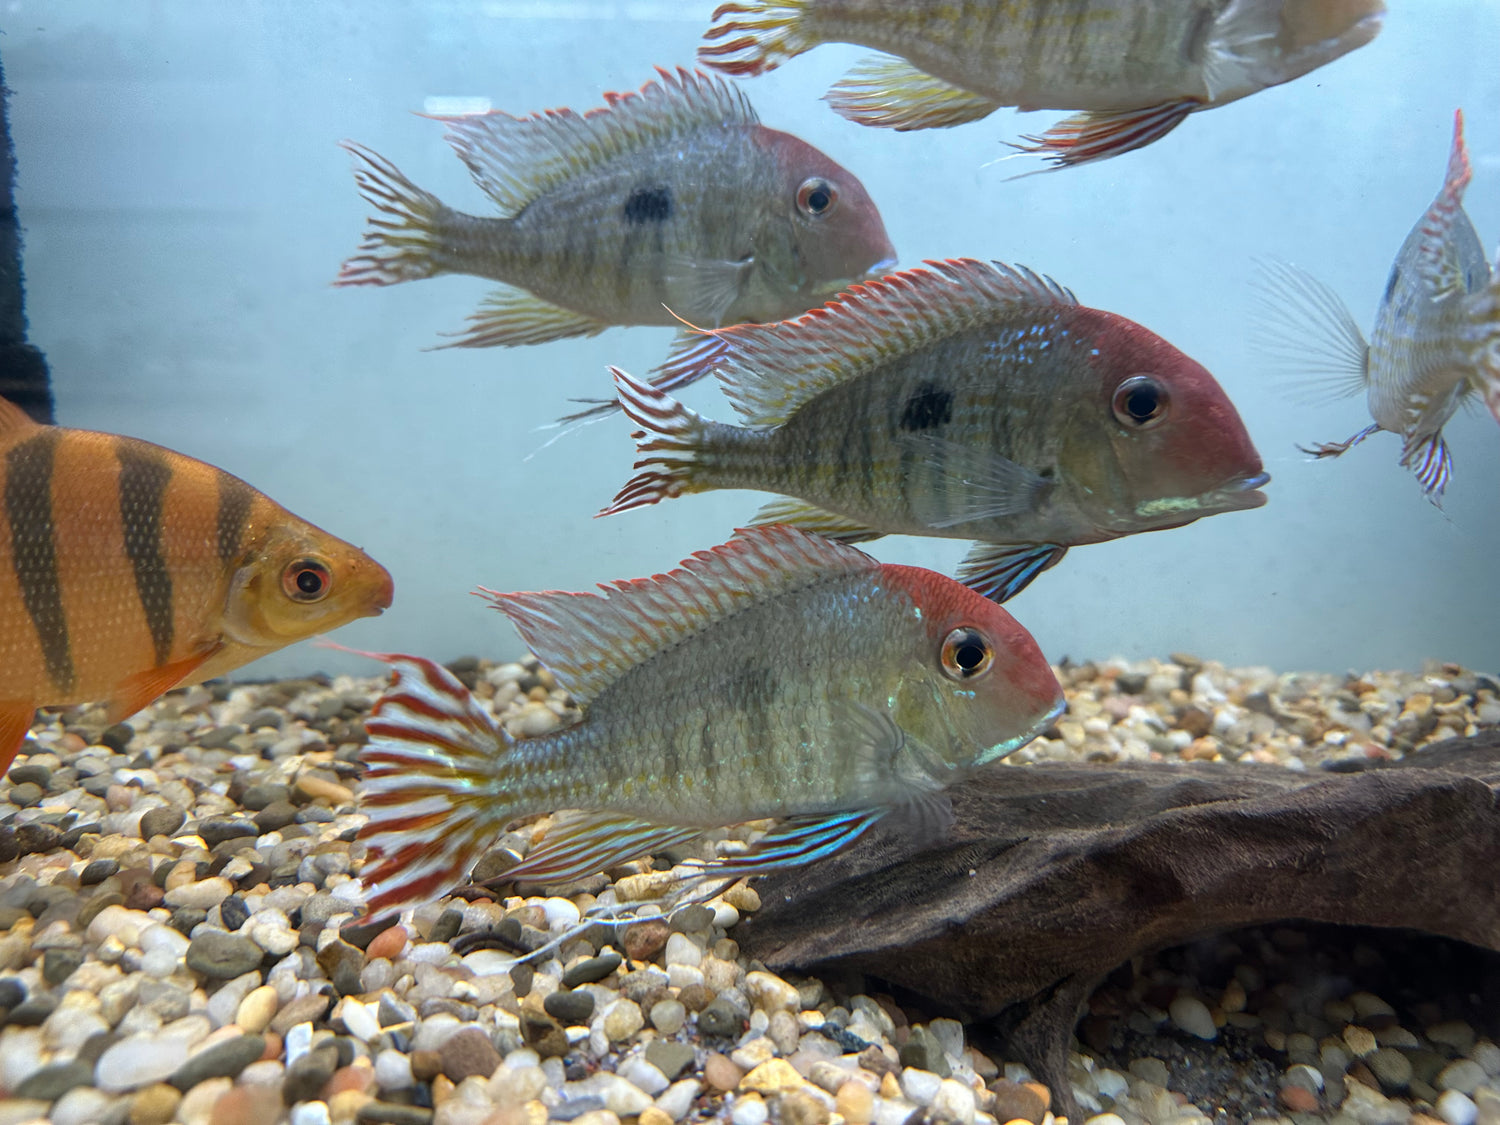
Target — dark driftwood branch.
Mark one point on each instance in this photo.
(1054, 875)
(23, 370)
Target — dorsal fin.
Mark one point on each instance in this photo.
(14, 420)
(516, 159)
(589, 641)
(1437, 256)
(769, 370)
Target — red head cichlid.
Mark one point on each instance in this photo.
(127, 569)
(964, 401)
(779, 675)
(1136, 67)
(673, 200)
(1437, 332)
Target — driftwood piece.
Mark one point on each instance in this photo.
(1054, 875)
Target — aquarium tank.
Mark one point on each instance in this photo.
(1108, 387)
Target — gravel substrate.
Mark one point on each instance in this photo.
(178, 942)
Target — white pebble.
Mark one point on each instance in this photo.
(1111, 1083)
(137, 1061)
(273, 935)
(311, 1113)
(749, 1110)
(82, 1105)
(517, 1081)
(159, 936)
(359, 1019)
(683, 950)
(668, 1016)
(681, 976)
(1192, 1016)
(724, 914)
(954, 1102)
(560, 913)
(428, 953)
(770, 993)
(950, 1036)
(204, 894)
(620, 1097)
(1456, 1108)
(69, 1027)
(637, 1071)
(159, 963)
(21, 1054)
(1487, 1055)
(920, 1086)
(679, 1098)
(298, 1041)
(434, 1031)
(393, 1070)
(1463, 1075)
(1105, 1119)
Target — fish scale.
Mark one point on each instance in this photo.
(779, 675)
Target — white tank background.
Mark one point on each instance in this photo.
(185, 207)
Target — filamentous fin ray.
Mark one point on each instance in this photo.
(1305, 328)
(1429, 459)
(769, 370)
(590, 842)
(817, 521)
(589, 640)
(516, 159)
(511, 317)
(889, 92)
(402, 238)
(1001, 571)
(1087, 137)
(1437, 254)
(435, 787)
(660, 379)
(797, 840)
(971, 488)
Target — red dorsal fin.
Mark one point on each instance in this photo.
(14, 420)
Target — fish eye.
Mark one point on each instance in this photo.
(306, 580)
(816, 197)
(1141, 402)
(967, 654)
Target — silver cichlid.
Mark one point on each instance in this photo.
(1137, 67)
(1436, 340)
(673, 200)
(779, 675)
(964, 401)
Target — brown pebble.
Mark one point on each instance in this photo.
(345, 1078)
(426, 1065)
(798, 1107)
(695, 997)
(273, 1047)
(468, 1052)
(388, 944)
(154, 1105)
(1299, 1099)
(721, 1074)
(1028, 1100)
(248, 1105)
(874, 1060)
(1363, 1074)
(644, 940)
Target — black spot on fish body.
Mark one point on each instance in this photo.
(649, 205)
(927, 407)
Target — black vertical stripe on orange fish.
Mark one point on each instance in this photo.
(235, 500)
(144, 474)
(649, 205)
(28, 506)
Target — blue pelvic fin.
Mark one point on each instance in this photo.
(591, 842)
(1000, 572)
(1431, 461)
(798, 840)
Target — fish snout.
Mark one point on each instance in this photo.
(1244, 493)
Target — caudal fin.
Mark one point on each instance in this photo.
(401, 240)
(670, 430)
(436, 790)
(759, 35)
(1484, 308)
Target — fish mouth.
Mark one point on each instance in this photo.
(1030, 734)
(1243, 493)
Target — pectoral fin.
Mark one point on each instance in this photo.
(15, 721)
(1086, 137)
(703, 290)
(971, 485)
(135, 692)
(806, 517)
(1000, 572)
(592, 842)
(511, 317)
(892, 93)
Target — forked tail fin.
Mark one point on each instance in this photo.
(759, 35)
(671, 431)
(437, 786)
(403, 239)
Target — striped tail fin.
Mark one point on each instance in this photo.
(436, 787)
(402, 240)
(669, 429)
(765, 34)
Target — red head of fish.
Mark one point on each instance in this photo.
(836, 226)
(1158, 443)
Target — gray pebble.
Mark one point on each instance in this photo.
(59, 964)
(391, 1113)
(301, 1010)
(264, 717)
(275, 816)
(33, 1011)
(216, 829)
(12, 991)
(305, 1077)
(593, 970)
(1391, 1067)
(222, 956)
(720, 1018)
(393, 1011)
(263, 796)
(669, 1057)
(447, 925)
(223, 1060)
(1131, 683)
(217, 738)
(29, 772)
(161, 822)
(923, 1051)
(691, 919)
(233, 912)
(35, 837)
(98, 871)
(52, 1082)
(26, 794)
(569, 1008)
(117, 737)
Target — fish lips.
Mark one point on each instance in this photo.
(1241, 494)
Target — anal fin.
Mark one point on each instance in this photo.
(15, 721)
(135, 692)
(891, 93)
(1086, 137)
(806, 517)
(591, 842)
(1000, 572)
(511, 317)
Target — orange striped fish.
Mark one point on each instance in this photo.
(127, 569)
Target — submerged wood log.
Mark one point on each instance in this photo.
(1053, 875)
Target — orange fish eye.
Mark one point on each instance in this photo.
(967, 654)
(1140, 402)
(306, 580)
(816, 197)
